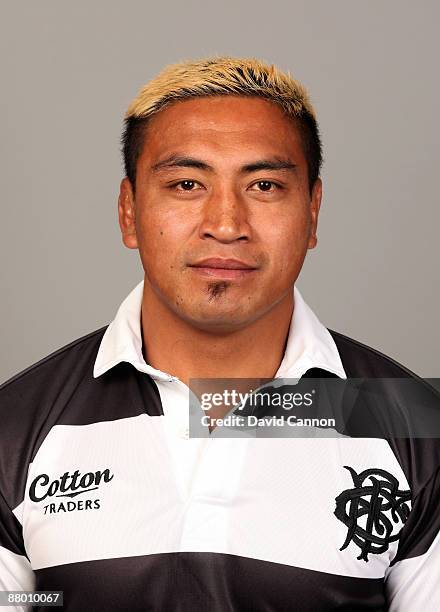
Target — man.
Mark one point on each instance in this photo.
(104, 494)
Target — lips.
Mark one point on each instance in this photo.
(223, 264)
(223, 269)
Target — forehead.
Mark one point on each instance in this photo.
(225, 124)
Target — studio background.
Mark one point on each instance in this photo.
(69, 71)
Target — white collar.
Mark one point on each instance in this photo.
(309, 343)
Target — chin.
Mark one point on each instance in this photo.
(218, 317)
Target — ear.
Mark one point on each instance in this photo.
(126, 213)
(315, 203)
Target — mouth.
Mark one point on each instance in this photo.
(227, 269)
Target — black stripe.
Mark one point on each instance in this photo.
(121, 392)
(198, 582)
(423, 523)
(11, 536)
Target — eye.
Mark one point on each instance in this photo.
(186, 185)
(265, 186)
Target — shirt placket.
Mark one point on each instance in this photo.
(186, 452)
(208, 472)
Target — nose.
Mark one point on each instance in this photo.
(225, 217)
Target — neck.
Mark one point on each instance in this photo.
(181, 349)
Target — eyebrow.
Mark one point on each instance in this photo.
(182, 161)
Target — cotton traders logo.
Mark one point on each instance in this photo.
(68, 486)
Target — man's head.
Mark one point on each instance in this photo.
(221, 76)
(222, 159)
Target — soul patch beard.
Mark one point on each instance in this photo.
(216, 289)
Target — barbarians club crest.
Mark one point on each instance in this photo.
(374, 510)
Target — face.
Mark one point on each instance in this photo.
(222, 214)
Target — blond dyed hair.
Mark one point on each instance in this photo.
(217, 76)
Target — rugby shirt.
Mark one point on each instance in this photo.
(104, 496)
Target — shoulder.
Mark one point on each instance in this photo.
(390, 389)
(68, 356)
(361, 360)
(401, 405)
(30, 396)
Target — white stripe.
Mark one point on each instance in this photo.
(269, 499)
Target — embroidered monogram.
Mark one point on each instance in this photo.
(372, 510)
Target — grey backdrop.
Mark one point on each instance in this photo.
(69, 70)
